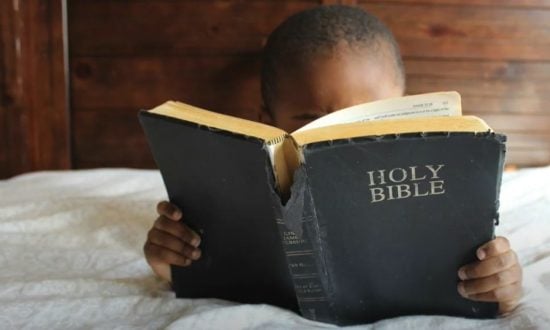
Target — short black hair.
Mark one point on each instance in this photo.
(319, 30)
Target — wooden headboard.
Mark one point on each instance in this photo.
(127, 55)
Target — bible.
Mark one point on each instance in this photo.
(363, 214)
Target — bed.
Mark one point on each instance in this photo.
(71, 257)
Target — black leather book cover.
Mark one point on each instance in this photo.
(223, 184)
(375, 227)
(391, 220)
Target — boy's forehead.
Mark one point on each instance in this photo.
(343, 78)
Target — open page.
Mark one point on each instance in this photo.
(413, 106)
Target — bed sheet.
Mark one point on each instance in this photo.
(71, 257)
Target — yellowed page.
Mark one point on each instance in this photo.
(217, 120)
(396, 126)
(414, 106)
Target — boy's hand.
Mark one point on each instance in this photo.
(496, 277)
(170, 242)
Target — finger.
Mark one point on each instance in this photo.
(169, 210)
(486, 284)
(179, 230)
(504, 294)
(158, 254)
(493, 248)
(488, 267)
(162, 270)
(162, 238)
(505, 307)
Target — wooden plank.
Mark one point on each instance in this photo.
(504, 104)
(231, 82)
(478, 69)
(507, 123)
(493, 3)
(34, 103)
(121, 141)
(495, 33)
(174, 27)
(339, 2)
(110, 139)
(7, 123)
(488, 87)
(528, 140)
(224, 84)
(207, 27)
(526, 158)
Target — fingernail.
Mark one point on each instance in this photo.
(196, 254)
(196, 241)
(481, 254)
(176, 214)
(461, 290)
(462, 274)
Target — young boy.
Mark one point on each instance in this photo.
(316, 62)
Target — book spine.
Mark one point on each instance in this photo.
(298, 229)
(304, 270)
(501, 139)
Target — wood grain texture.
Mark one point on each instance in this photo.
(423, 30)
(491, 3)
(110, 139)
(8, 122)
(476, 32)
(127, 55)
(535, 123)
(163, 27)
(33, 109)
(114, 138)
(230, 84)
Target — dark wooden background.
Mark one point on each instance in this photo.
(125, 55)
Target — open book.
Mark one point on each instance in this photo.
(423, 112)
(363, 214)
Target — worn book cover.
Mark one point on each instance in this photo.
(386, 222)
(223, 183)
(364, 214)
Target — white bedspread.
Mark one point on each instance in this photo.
(71, 257)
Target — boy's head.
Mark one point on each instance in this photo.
(325, 59)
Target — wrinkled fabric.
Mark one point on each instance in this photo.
(71, 257)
